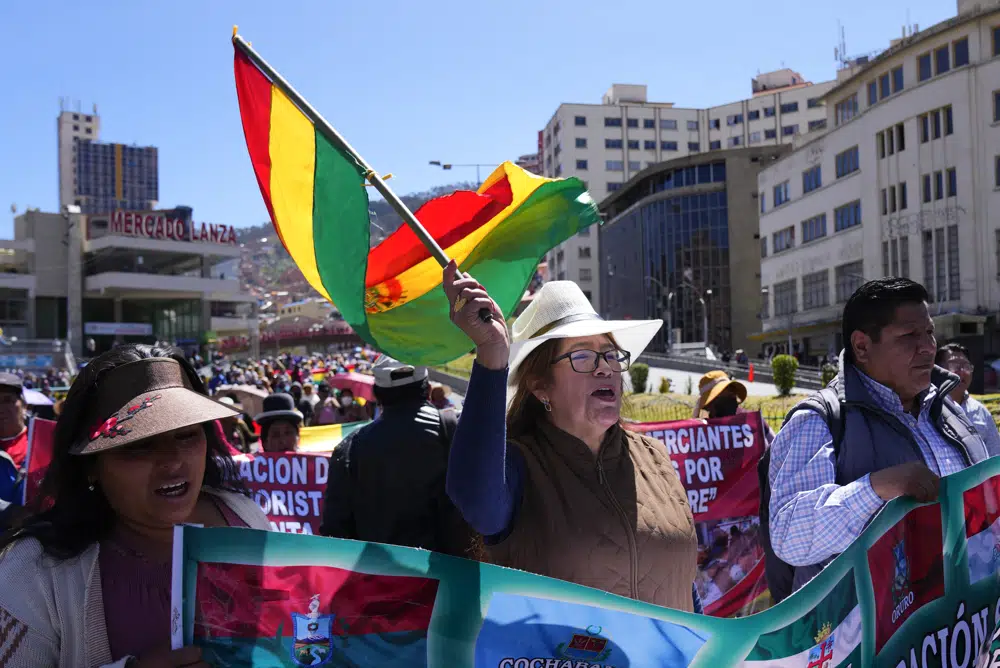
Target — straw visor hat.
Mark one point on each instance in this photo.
(561, 311)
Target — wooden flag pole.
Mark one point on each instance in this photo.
(337, 140)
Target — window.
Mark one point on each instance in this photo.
(649, 123)
(949, 124)
(938, 185)
(763, 196)
(942, 60)
(925, 128)
(952, 182)
(812, 102)
(897, 79)
(735, 141)
(936, 124)
(846, 109)
(927, 188)
(581, 142)
(649, 145)
(902, 196)
(693, 146)
(612, 187)
(765, 312)
(885, 258)
(901, 136)
(612, 143)
(954, 280)
(580, 121)
(753, 115)
(817, 124)
(691, 125)
(961, 52)
(780, 193)
(612, 122)
(633, 144)
(715, 145)
(872, 93)
(811, 179)
(614, 165)
(816, 290)
(634, 165)
(885, 202)
(814, 228)
(770, 134)
(924, 67)
(714, 124)
(785, 299)
(671, 124)
(76, 128)
(880, 145)
(768, 112)
(892, 199)
(763, 245)
(883, 86)
(668, 145)
(789, 107)
(585, 274)
(996, 41)
(847, 216)
(939, 260)
(783, 239)
(633, 122)
(904, 257)
(755, 137)
(849, 278)
(996, 175)
(581, 164)
(890, 143)
(76, 117)
(734, 119)
(847, 162)
(928, 253)
(583, 252)
(789, 130)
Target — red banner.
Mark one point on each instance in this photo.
(717, 464)
(41, 434)
(288, 487)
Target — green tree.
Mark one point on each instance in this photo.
(639, 374)
(783, 367)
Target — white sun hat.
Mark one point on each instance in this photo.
(560, 310)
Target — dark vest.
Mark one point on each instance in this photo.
(875, 439)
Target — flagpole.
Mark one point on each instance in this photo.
(335, 137)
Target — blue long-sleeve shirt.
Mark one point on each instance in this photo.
(486, 477)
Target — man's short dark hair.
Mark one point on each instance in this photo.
(949, 349)
(873, 306)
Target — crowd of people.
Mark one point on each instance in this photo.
(537, 472)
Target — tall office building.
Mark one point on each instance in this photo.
(607, 144)
(101, 177)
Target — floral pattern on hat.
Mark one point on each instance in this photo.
(114, 425)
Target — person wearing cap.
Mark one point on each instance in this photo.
(13, 428)
(386, 480)
(721, 396)
(557, 486)
(280, 423)
(87, 577)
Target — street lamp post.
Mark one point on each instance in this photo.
(670, 296)
(449, 165)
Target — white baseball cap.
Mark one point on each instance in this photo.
(393, 373)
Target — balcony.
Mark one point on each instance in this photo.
(17, 281)
(116, 242)
(135, 285)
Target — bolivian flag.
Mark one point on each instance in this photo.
(313, 186)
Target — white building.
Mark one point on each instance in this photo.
(607, 144)
(904, 181)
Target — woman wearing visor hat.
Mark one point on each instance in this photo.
(549, 477)
(87, 579)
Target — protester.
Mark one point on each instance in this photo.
(88, 579)
(326, 409)
(439, 396)
(349, 409)
(13, 428)
(955, 358)
(387, 480)
(899, 434)
(563, 489)
(279, 424)
(720, 396)
(235, 429)
(309, 394)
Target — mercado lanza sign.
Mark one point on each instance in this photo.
(157, 226)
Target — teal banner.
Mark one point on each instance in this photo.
(918, 588)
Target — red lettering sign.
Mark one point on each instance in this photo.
(152, 226)
(288, 486)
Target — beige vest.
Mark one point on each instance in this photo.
(620, 522)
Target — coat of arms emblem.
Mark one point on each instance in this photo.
(313, 641)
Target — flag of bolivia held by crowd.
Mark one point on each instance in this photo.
(391, 294)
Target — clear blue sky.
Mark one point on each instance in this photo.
(405, 81)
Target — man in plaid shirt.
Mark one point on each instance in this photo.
(894, 404)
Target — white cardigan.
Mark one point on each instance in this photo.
(52, 612)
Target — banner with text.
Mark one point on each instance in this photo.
(41, 441)
(288, 487)
(918, 588)
(717, 463)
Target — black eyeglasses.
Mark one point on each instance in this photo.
(587, 361)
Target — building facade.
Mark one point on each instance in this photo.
(100, 177)
(607, 144)
(680, 243)
(904, 181)
(129, 276)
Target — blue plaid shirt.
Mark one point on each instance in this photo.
(813, 518)
(984, 423)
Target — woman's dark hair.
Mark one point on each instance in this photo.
(68, 516)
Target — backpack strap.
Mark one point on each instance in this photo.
(449, 423)
(827, 404)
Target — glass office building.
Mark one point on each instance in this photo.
(115, 176)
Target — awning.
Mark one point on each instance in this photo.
(796, 330)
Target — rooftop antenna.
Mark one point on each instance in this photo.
(840, 51)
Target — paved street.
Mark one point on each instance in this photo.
(679, 381)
